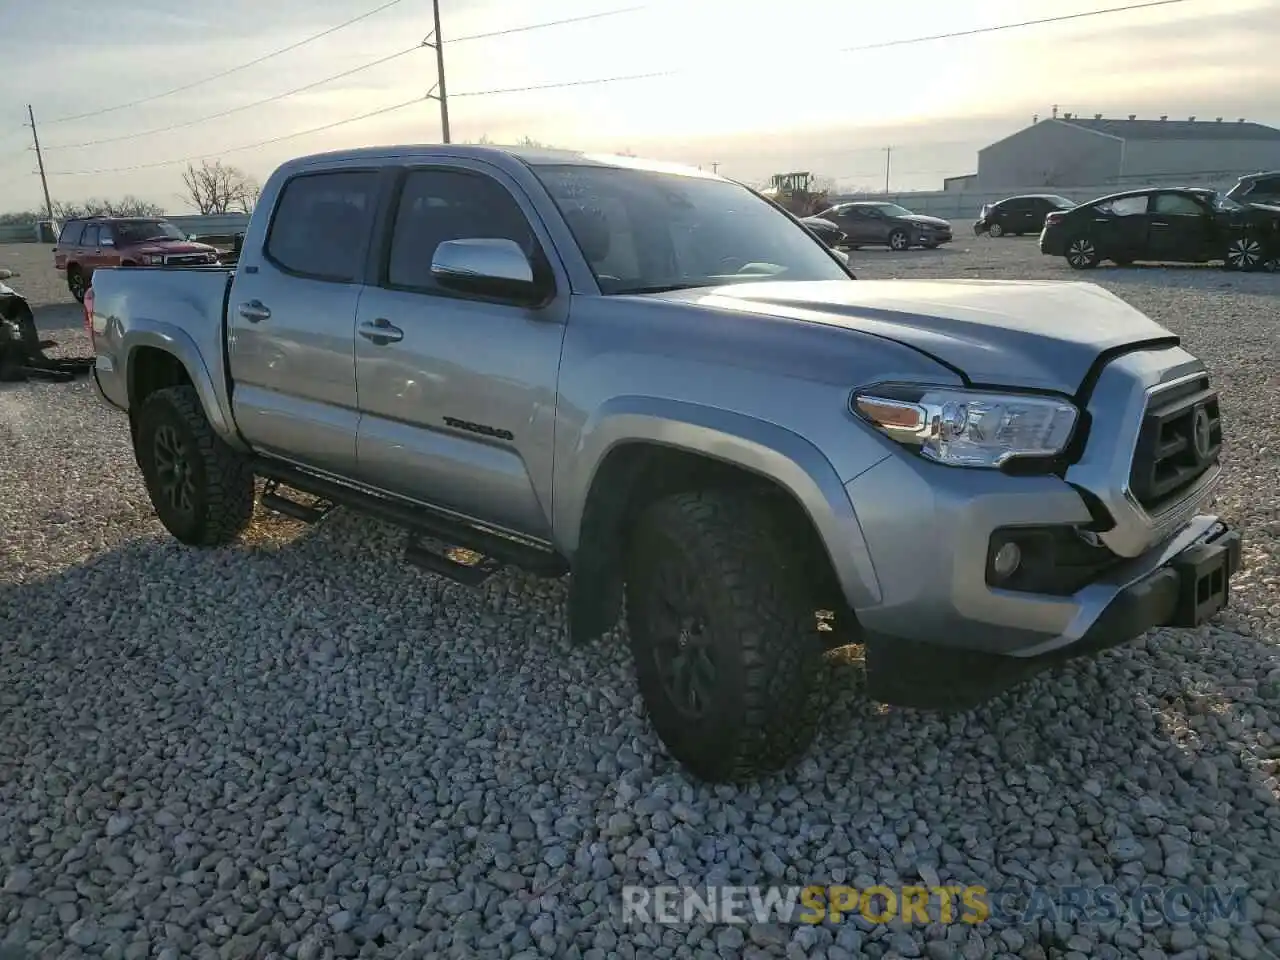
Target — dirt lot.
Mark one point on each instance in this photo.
(299, 747)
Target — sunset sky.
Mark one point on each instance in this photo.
(756, 88)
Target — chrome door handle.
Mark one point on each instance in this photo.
(381, 332)
(254, 311)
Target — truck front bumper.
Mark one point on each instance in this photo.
(1187, 588)
(929, 532)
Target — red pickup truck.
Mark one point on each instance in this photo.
(84, 245)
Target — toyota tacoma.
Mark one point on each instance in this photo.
(657, 382)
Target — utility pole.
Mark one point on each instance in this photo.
(44, 181)
(443, 94)
(888, 152)
(715, 166)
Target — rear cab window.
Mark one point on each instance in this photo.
(321, 224)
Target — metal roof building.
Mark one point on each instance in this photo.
(1066, 150)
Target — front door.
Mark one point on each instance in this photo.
(458, 405)
(1181, 228)
(292, 320)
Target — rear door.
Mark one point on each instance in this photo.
(1182, 229)
(292, 316)
(458, 407)
(1018, 216)
(89, 252)
(1120, 227)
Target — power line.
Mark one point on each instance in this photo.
(245, 106)
(564, 83)
(1010, 26)
(338, 123)
(579, 83)
(540, 26)
(329, 79)
(247, 146)
(227, 73)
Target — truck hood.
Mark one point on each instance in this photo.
(1042, 335)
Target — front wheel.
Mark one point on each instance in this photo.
(995, 230)
(202, 489)
(1244, 253)
(721, 618)
(898, 240)
(77, 283)
(1082, 254)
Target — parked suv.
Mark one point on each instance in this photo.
(1018, 215)
(1257, 188)
(84, 245)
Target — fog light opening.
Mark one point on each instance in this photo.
(1007, 560)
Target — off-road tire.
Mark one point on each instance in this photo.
(749, 579)
(222, 479)
(77, 283)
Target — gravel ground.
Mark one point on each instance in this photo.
(300, 747)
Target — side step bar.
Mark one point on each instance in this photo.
(468, 555)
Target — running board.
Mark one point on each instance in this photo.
(469, 554)
(272, 499)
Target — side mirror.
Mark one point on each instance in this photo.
(486, 266)
(192, 236)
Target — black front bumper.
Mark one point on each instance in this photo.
(1186, 592)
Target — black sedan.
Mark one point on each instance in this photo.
(827, 231)
(871, 223)
(1164, 225)
(1018, 215)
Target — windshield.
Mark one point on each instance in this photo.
(893, 210)
(646, 232)
(136, 231)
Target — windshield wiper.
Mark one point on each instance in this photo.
(662, 288)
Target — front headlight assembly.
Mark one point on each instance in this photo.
(968, 428)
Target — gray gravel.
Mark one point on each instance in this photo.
(298, 747)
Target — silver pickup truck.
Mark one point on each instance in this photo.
(659, 382)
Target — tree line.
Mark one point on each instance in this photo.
(210, 188)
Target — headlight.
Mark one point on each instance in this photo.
(967, 428)
(154, 259)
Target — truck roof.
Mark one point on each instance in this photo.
(500, 156)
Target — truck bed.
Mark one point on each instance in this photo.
(179, 309)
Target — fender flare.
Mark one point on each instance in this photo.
(176, 342)
(772, 451)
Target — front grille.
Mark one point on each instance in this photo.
(186, 259)
(1180, 439)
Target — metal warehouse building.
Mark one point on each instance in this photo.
(1071, 151)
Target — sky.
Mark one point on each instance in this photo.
(755, 89)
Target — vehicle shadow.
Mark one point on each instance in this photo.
(1188, 276)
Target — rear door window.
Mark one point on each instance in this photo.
(90, 238)
(1125, 206)
(1177, 205)
(321, 225)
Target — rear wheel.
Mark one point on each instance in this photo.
(1244, 253)
(77, 283)
(1082, 254)
(995, 230)
(723, 636)
(899, 240)
(201, 488)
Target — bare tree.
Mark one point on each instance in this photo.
(126, 206)
(220, 188)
